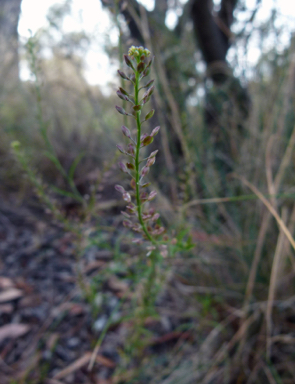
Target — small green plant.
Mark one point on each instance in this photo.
(139, 216)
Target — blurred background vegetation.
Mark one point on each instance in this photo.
(225, 82)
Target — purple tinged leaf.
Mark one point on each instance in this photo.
(149, 115)
(155, 216)
(146, 141)
(127, 197)
(126, 131)
(152, 195)
(119, 188)
(155, 131)
(122, 167)
(128, 62)
(121, 110)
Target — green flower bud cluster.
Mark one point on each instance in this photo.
(138, 52)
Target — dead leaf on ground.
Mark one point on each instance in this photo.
(10, 294)
(117, 285)
(94, 265)
(83, 361)
(74, 309)
(13, 331)
(5, 282)
(6, 308)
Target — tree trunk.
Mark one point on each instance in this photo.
(9, 16)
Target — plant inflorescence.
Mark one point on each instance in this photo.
(138, 215)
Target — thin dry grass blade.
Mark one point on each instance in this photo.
(268, 167)
(273, 285)
(271, 209)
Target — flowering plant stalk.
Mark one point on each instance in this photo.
(138, 215)
(146, 225)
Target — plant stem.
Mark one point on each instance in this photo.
(137, 173)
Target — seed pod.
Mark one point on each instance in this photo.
(131, 208)
(158, 231)
(145, 185)
(122, 90)
(153, 154)
(121, 110)
(137, 241)
(137, 228)
(140, 67)
(150, 62)
(146, 216)
(122, 74)
(128, 62)
(126, 131)
(155, 131)
(148, 84)
(131, 149)
(148, 140)
(146, 72)
(133, 184)
(152, 195)
(149, 92)
(121, 149)
(119, 188)
(125, 214)
(137, 108)
(123, 97)
(127, 197)
(155, 216)
(122, 167)
(130, 166)
(142, 137)
(151, 161)
(127, 223)
(143, 196)
(149, 115)
(144, 171)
